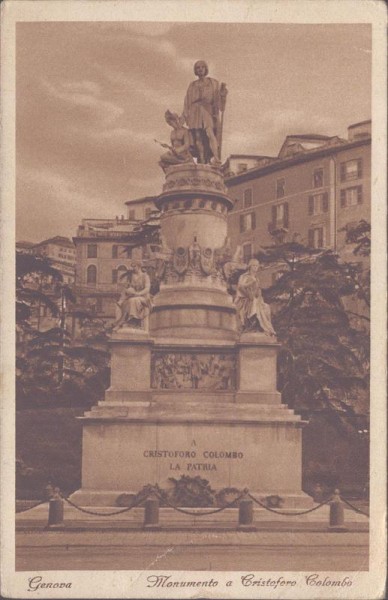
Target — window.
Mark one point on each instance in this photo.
(352, 169)
(247, 222)
(92, 250)
(280, 216)
(115, 251)
(280, 188)
(118, 273)
(91, 274)
(132, 214)
(316, 237)
(241, 167)
(318, 204)
(148, 211)
(247, 252)
(318, 178)
(248, 198)
(351, 196)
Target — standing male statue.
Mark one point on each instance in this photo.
(205, 99)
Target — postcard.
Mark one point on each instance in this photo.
(194, 323)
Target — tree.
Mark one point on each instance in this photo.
(52, 368)
(33, 275)
(358, 235)
(323, 363)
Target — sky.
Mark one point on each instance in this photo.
(91, 98)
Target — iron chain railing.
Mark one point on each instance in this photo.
(289, 514)
(355, 508)
(155, 491)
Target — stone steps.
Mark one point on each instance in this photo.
(195, 412)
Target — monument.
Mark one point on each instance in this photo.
(193, 369)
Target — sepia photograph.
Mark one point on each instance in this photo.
(192, 346)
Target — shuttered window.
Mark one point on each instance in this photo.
(318, 178)
(280, 188)
(351, 196)
(318, 204)
(280, 215)
(316, 237)
(247, 222)
(351, 169)
(248, 198)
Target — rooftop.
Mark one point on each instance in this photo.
(58, 239)
(143, 200)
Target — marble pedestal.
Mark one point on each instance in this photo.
(191, 396)
(241, 437)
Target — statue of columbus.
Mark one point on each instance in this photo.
(205, 100)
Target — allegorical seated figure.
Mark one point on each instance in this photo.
(204, 100)
(134, 304)
(179, 151)
(253, 312)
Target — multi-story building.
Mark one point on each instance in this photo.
(104, 252)
(61, 253)
(236, 164)
(310, 191)
(140, 209)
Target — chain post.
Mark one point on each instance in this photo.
(337, 517)
(245, 514)
(151, 514)
(56, 510)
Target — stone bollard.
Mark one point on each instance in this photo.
(245, 515)
(337, 518)
(55, 517)
(151, 514)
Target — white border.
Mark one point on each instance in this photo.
(113, 584)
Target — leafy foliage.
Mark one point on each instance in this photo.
(359, 234)
(56, 371)
(191, 491)
(32, 276)
(48, 447)
(51, 369)
(323, 363)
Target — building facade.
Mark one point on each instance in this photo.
(315, 187)
(60, 252)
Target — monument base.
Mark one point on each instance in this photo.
(192, 395)
(231, 445)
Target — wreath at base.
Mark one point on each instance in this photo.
(228, 495)
(273, 501)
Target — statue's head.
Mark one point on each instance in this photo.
(254, 265)
(136, 265)
(199, 66)
(171, 118)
